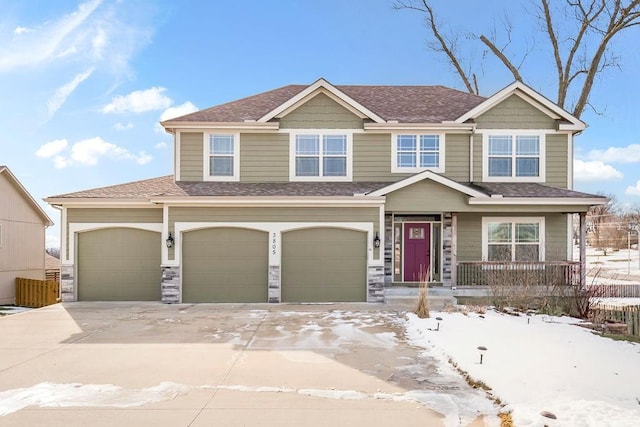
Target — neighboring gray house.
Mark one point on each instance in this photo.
(22, 235)
(327, 193)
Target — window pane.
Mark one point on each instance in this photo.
(307, 166)
(527, 233)
(307, 144)
(429, 160)
(406, 143)
(334, 166)
(528, 145)
(407, 160)
(221, 144)
(499, 232)
(335, 144)
(429, 142)
(527, 166)
(499, 166)
(499, 253)
(499, 145)
(527, 253)
(221, 166)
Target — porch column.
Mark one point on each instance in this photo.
(583, 249)
(454, 249)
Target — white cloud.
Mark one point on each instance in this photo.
(180, 110)
(41, 44)
(123, 126)
(633, 190)
(52, 148)
(21, 30)
(628, 154)
(139, 101)
(161, 146)
(594, 171)
(88, 152)
(63, 92)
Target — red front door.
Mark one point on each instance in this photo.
(417, 243)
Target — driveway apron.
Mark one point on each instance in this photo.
(226, 365)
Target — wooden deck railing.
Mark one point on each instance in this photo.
(485, 273)
(52, 274)
(36, 293)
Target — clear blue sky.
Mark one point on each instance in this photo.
(83, 84)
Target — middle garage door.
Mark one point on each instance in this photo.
(323, 265)
(225, 265)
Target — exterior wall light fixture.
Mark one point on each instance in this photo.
(169, 241)
(376, 240)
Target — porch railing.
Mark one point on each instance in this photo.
(490, 273)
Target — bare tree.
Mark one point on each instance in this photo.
(579, 32)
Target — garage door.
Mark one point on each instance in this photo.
(119, 264)
(225, 265)
(323, 265)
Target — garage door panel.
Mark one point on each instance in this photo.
(225, 265)
(119, 264)
(324, 264)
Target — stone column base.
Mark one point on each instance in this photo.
(170, 285)
(375, 283)
(67, 283)
(274, 284)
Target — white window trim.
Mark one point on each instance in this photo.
(513, 133)
(486, 220)
(394, 153)
(207, 153)
(320, 132)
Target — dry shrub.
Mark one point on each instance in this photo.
(422, 310)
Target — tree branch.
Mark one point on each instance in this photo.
(501, 56)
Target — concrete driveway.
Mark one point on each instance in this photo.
(224, 365)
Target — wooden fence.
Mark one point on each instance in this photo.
(36, 293)
(52, 274)
(620, 314)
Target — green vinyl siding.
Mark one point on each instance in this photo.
(321, 112)
(114, 215)
(119, 264)
(191, 152)
(372, 158)
(273, 214)
(225, 265)
(264, 157)
(514, 113)
(457, 157)
(477, 157)
(426, 196)
(324, 265)
(557, 160)
(470, 234)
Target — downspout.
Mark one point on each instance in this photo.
(471, 155)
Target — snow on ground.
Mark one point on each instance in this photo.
(615, 267)
(12, 309)
(540, 363)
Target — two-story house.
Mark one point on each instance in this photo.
(312, 193)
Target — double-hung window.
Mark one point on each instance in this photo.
(514, 156)
(513, 239)
(417, 152)
(222, 157)
(320, 156)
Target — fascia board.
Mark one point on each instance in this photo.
(511, 89)
(537, 201)
(427, 175)
(29, 198)
(321, 83)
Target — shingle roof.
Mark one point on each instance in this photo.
(406, 104)
(166, 187)
(527, 189)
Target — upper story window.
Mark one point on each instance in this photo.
(320, 156)
(417, 152)
(514, 156)
(513, 239)
(222, 159)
